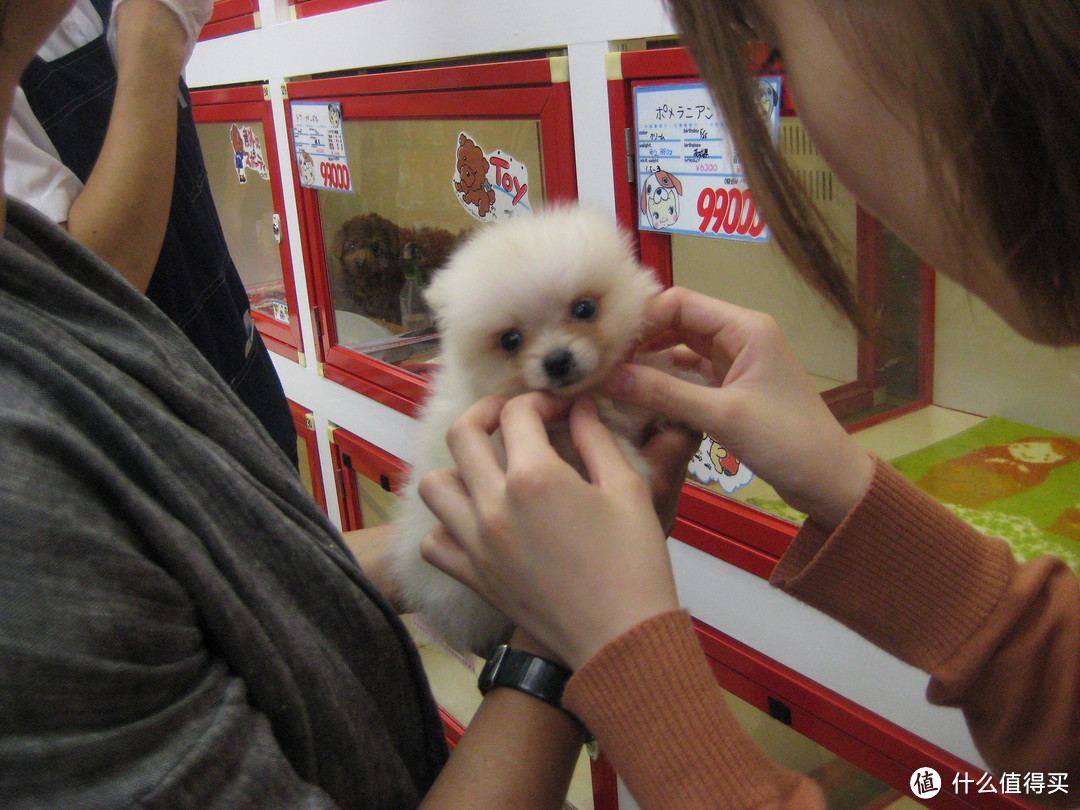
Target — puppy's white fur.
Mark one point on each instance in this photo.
(527, 276)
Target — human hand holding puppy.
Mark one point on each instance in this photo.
(761, 403)
(548, 303)
(575, 562)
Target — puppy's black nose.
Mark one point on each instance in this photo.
(559, 365)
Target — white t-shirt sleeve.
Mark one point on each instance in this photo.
(33, 171)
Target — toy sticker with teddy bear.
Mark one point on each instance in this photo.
(489, 185)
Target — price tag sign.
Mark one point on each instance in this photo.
(319, 145)
(690, 180)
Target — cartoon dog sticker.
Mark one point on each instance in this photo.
(660, 199)
(714, 464)
(767, 98)
(307, 169)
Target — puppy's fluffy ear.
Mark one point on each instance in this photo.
(438, 294)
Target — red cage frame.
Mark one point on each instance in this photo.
(520, 89)
(725, 528)
(309, 8)
(304, 421)
(251, 103)
(231, 17)
(353, 456)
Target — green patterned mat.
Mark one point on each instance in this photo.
(1009, 480)
(1005, 479)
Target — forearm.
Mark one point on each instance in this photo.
(123, 211)
(996, 637)
(374, 550)
(517, 752)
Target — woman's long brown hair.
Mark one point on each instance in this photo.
(718, 36)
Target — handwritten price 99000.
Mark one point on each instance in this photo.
(730, 210)
(335, 175)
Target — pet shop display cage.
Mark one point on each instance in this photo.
(657, 95)
(368, 479)
(913, 391)
(236, 133)
(882, 386)
(421, 158)
(307, 451)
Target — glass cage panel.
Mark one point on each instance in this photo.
(402, 219)
(307, 471)
(245, 205)
(861, 378)
(376, 504)
(846, 787)
(1006, 455)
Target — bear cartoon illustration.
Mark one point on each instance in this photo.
(991, 473)
(472, 184)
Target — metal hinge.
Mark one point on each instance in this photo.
(343, 489)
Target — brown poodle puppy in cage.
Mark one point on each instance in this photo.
(374, 254)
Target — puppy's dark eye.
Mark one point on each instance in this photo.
(511, 340)
(584, 309)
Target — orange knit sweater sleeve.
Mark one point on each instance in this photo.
(1000, 639)
(658, 714)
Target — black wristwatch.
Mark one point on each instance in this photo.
(528, 673)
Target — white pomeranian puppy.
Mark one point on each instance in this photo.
(550, 302)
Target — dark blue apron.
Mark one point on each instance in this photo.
(195, 281)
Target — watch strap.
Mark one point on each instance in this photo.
(543, 679)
